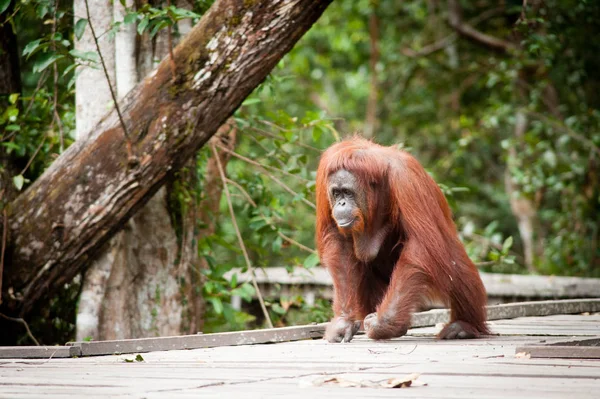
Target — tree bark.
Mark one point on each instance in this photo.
(137, 273)
(92, 98)
(93, 188)
(371, 120)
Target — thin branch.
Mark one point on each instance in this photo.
(468, 31)
(260, 165)
(244, 192)
(577, 136)
(430, 48)
(275, 179)
(22, 321)
(37, 150)
(251, 201)
(239, 236)
(296, 243)
(130, 156)
(523, 16)
(443, 43)
(265, 149)
(269, 123)
(486, 263)
(273, 136)
(40, 83)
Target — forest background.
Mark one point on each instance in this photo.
(498, 100)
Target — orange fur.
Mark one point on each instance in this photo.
(424, 259)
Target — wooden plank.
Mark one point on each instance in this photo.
(38, 352)
(514, 310)
(543, 308)
(497, 285)
(422, 319)
(251, 337)
(574, 349)
(565, 352)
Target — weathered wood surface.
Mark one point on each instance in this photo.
(497, 285)
(567, 352)
(451, 369)
(251, 337)
(513, 310)
(38, 352)
(422, 319)
(571, 349)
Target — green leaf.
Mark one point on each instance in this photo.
(159, 26)
(278, 309)
(139, 358)
(18, 181)
(217, 304)
(250, 101)
(42, 10)
(4, 5)
(311, 261)
(45, 62)
(85, 55)
(276, 244)
(32, 47)
(80, 28)
(245, 291)
(13, 98)
(11, 146)
(142, 25)
(69, 69)
(12, 113)
(507, 244)
(234, 279)
(130, 18)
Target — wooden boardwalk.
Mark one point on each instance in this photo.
(483, 368)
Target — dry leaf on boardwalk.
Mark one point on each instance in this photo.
(402, 382)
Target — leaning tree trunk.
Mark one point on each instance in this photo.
(88, 194)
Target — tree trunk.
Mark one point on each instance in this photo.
(88, 194)
(116, 302)
(371, 120)
(144, 253)
(92, 97)
(523, 208)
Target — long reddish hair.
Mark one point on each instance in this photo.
(417, 208)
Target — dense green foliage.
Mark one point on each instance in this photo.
(456, 106)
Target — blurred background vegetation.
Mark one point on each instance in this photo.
(498, 101)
